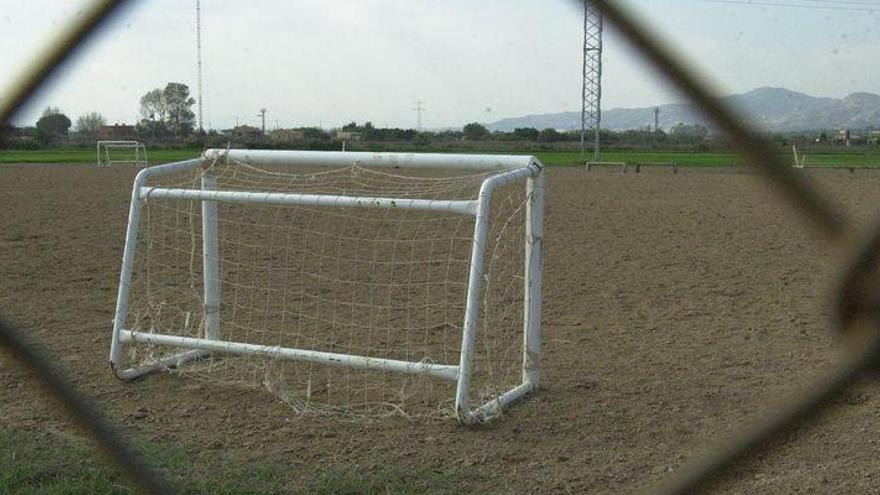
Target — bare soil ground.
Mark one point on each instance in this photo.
(676, 307)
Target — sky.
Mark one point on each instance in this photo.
(329, 62)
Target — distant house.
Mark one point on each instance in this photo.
(116, 132)
(244, 133)
(279, 136)
(348, 135)
(874, 137)
(846, 137)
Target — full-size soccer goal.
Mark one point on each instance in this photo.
(122, 153)
(345, 283)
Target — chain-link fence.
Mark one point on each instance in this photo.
(858, 304)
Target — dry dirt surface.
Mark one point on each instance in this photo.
(676, 307)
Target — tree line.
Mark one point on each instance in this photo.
(166, 117)
(165, 113)
(54, 126)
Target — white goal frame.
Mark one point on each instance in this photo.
(104, 147)
(510, 168)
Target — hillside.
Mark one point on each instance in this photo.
(773, 109)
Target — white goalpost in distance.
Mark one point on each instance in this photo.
(346, 283)
(122, 152)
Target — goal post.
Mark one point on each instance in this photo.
(341, 279)
(121, 152)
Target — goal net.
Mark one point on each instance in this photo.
(122, 153)
(352, 284)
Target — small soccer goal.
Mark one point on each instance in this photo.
(122, 153)
(353, 284)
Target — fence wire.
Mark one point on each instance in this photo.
(111, 443)
(857, 305)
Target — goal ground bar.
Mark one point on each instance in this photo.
(444, 371)
(494, 407)
(172, 361)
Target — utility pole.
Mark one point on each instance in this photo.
(419, 108)
(591, 94)
(656, 120)
(199, 58)
(263, 118)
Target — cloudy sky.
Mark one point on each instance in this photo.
(326, 62)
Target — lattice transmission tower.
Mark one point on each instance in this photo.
(591, 114)
(419, 108)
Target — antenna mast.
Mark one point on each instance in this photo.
(199, 57)
(591, 95)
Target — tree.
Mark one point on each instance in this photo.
(178, 103)
(89, 124)
(314, 133)
(526, 133)
(368, 132)
(53, 125)
(689, 132)
(475, 131)
(6, 131)
(153, 113)
(549, 135)
(153, 106)
(50, 110)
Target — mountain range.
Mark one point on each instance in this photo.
(771, 109)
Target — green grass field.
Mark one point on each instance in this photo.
(33, 462)
(682, 158)
(709, 159)
(88, 156)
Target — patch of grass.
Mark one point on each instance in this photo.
(32, 462)
(53, 464)
(387, 480)
(707, 159)
(687, 159)
(683, 158)
(247, 479)
(168, 457)
(89, 156)
(848, 159)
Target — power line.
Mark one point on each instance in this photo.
(830, 6)
(847, 2)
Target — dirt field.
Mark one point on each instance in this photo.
(675, 307)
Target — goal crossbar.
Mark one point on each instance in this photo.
(375, 159)
(509, 168)
(269, 198)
